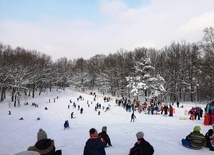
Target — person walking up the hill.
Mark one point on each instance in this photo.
(93, 145)
(81, 110)
(133, 117)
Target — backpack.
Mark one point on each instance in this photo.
(136, 151)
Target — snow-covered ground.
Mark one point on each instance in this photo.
(164, 133)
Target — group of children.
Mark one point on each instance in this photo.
(195, 113)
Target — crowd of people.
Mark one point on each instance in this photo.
(98, 142)
(151, 108)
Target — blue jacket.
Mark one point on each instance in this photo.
(94, 146)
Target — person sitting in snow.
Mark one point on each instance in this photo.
(105, 137)
(44, 145)
(141, 146)
(195, 139)
(93, 145)
(66, 124)
(209, 136)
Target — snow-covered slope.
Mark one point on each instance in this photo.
(164, 133)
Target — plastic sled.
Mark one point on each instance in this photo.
(189, 147)
(207, 119)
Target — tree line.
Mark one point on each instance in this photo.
(187, 68)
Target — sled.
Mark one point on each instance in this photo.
(183, 118)
(207, 119)
(189, 147)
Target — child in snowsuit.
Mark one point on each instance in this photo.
(66, 124)
(192, 115)
(195, 139)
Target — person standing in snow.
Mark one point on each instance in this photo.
(165, 109)
(105, 137)
(171, 111)
(72, 115)
(141, 146)
(81, 110)
(93, 145)
(44, 145)
(177, 104)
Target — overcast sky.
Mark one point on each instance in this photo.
(84, 28)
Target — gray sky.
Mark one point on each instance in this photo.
(84, 28)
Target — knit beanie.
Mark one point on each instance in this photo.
(41, 135)
(140, 135)
(197, 128)
(104, 128)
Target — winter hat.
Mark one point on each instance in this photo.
(197, 128)
(104, 128)
(140, 135)
(41, 135)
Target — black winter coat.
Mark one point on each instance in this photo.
(44, 147)
(106, 138)
(146, 147)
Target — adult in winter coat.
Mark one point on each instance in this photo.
(165, 109)
(44, 145)
(93, 145)
(195, 139)
(105, 137)
(141, 147)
